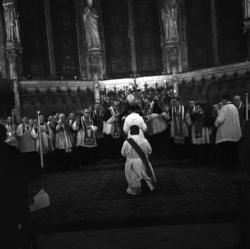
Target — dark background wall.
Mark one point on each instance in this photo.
(33, 34)
(147, 37)
(115, 20)
(211, 92)
(198, 34)
(65, 38)
(114, 14)
(6, 98)
(232, 40)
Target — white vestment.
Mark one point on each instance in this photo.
(44, 138)
(134, 119)
(135, 170)
(228, 124)
(26, 138)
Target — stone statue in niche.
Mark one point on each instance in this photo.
(169, 18)
(11, 23)
(90, 20)
(247, 9)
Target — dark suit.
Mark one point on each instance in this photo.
(112, 146)
(13, 192)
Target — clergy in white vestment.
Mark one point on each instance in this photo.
(11, 129)
(26, 136)
(228, 124)
(228, 133)
(134, 119)
(44, 136)
(137, 167)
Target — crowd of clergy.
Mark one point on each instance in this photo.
(173, 129)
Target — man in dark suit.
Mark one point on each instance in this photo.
(13, 192)
(112, 130)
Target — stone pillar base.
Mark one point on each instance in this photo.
(95, 65)
(173, 58)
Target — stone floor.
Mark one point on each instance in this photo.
(194, 236)
(96, 199)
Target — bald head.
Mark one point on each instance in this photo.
(237, 100)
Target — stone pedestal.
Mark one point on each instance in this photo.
(95, 64)
(172, 58)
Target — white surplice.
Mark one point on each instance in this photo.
(134, 119)
(135, 170)
(228, 124)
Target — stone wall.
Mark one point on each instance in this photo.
(55, 96)
(6, 98)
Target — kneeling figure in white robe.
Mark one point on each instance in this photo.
(135, 169)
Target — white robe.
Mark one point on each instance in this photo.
(26, 138)
(44, 138)
(228, 124)
(134, 119)
(135, 170)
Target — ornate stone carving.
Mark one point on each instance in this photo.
(90, 20)
(169, 17)
(11, 22)
(247, 9)
(95, 65)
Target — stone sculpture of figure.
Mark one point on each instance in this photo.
(169, 18)
(12, 23)
(247, 9)
(90, 20)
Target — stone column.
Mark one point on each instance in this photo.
(49, 31)
(93, 40)
(96, 89)
(131, 35)
(3, 62)
(214, 30)
(173, 38)
(81, 44)
(247, 25)
(13, 48)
